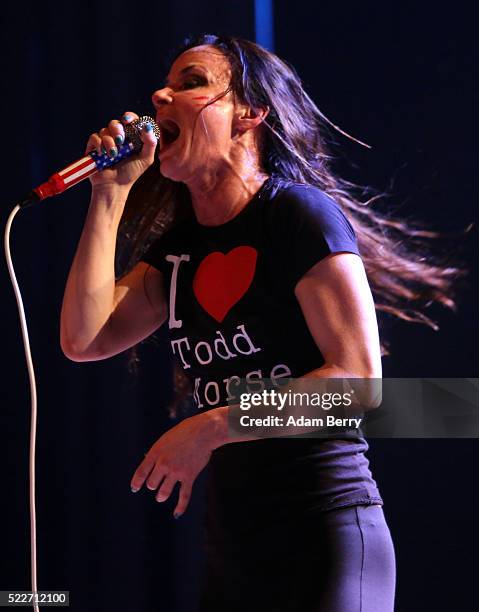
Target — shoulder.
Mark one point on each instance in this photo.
(305, 225)
(297, 206)
(304, 197)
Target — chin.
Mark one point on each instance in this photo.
(171, 170)
(177, 170)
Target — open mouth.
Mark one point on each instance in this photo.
(169, 131)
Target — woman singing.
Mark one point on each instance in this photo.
(257, 258)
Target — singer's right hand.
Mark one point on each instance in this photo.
(125, 173)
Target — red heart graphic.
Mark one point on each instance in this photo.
(222, 280)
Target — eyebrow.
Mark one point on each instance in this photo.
(187, 69)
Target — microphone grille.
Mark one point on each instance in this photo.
(133, 129)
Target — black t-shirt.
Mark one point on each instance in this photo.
(232, 314)
(232, 309)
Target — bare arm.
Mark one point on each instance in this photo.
(99, 317)
(338, 307)
(339, 310)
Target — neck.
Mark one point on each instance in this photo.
(220, 196)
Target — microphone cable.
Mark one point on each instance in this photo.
(33, 396)
(57, 184)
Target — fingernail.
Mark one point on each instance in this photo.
(113, 152)
(103, 150)
(126, 117)
(119, 139)
(176, 515)
(148, 127)
(134, 489)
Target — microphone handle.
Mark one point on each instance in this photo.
(76, 172)
(80, 170)
(89, 164)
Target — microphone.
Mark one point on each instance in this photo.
(91, 163)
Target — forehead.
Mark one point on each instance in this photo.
(205, 56)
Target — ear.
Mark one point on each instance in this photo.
(247, 118)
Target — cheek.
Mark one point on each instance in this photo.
(200, 101)
(214, 121)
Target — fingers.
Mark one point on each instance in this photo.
(108, 142)
(109, 138)
(116, 131)
(104, 142)
(128, 117)
(166, 488)
(142, 473)
(150, 141)
(147, 136)
(156, 477)
(93, 144)
(184, 499)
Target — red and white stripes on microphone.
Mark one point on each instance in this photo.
(78, 171)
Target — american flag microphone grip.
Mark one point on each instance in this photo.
(91, 163)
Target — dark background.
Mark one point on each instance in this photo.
(400, 78)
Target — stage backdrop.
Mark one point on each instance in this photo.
(401, 79)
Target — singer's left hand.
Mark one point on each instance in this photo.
(178, 456)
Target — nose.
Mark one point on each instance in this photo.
(162, 96)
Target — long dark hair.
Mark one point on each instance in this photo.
(404, 276)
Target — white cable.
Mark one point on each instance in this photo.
(33, 394)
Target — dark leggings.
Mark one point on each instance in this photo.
(361, 575)
(337, 561)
